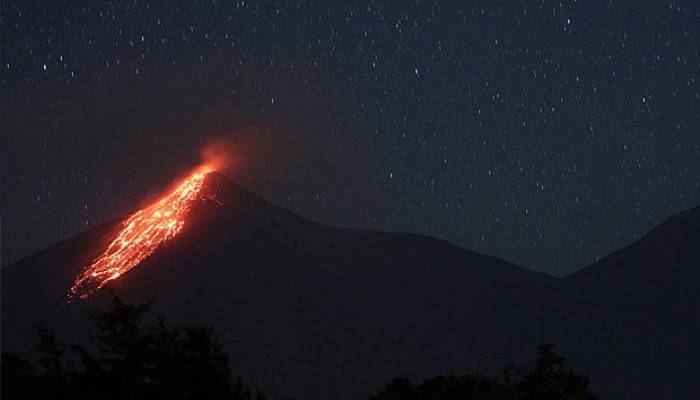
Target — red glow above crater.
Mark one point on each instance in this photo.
(140, 235)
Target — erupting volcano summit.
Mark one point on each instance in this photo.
(139, 235)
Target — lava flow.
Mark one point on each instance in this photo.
(139, 236)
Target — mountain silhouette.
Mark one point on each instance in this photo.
(314, 312)
(633, 318)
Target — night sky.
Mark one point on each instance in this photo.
(547, 133)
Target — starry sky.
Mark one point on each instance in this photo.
(547, 133)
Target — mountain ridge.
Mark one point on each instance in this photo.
(340, 310)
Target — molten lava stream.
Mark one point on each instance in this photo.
(139, 236)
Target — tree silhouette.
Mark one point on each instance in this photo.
(549, 380)
(135, 362)
(157, 362)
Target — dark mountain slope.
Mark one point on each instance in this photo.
(316, 312)
(304, 309)
(633, 318)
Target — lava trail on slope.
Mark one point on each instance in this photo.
(139, 235)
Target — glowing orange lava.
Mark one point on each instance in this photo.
(139, 236)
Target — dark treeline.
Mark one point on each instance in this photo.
(158, 362)
(548, 380)
(136, 362)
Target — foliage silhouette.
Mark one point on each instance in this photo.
(549, 380)
(158, 362)
(135, 362)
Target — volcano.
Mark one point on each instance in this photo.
(315, 312)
